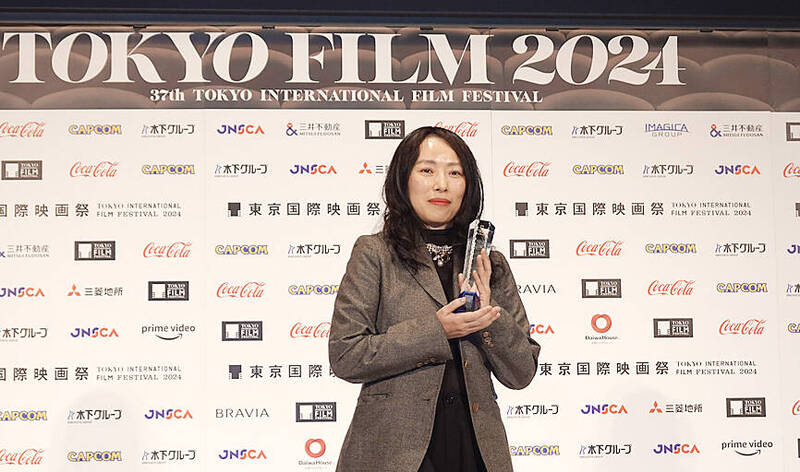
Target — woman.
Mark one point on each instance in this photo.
(427, 402)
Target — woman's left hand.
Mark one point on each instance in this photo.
(482, 276)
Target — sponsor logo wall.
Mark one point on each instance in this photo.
(169, 259)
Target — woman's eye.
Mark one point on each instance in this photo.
(456, 172)
(427, 171)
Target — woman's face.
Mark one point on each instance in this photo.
(436, 184)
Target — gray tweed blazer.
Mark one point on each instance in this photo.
(385, 335)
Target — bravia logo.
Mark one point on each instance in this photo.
(95, 250)
(601, 288)
(28, 456)
(103, 130)
(604, 409)
(24, 415)
(94, 333)
(21, 170)
(746, 287)
(465, 129)
(529, 248)
(541, 329)
(606, 248)
(601, 323)
(103, 169)
(749, 407)
(20, 292)
(315, 448)
(312, 169)
(29, 129)
(680, 287)
(602, 169)
(676, 448)
(94, 456)
(384, 129)
(670, 248)
(791, 170)
(534, 169)
(241, 413)
(168, 414)
(536, 289)
(320, 330)
(751, 327)
(240, 129)
(242, 454)
(245, 290)
(242, 330)
(242, 249)
(176, 250)
(737, 169)
(168, 291)
(673, 327)
(315, 412)
(527, 130)
(173, 169)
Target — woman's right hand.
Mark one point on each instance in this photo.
(457, 325)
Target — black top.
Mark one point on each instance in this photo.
(453, 445)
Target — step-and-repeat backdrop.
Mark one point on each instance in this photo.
(177, 206)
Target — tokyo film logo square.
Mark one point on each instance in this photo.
(750, 407)
(384, 129)
(315, 412)
(168, 291)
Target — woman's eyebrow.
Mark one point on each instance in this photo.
(432, 162)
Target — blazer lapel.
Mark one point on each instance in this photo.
(427, 277)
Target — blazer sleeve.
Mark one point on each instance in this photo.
(358, 352)
(512, 354)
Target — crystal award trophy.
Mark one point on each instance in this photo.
(479, 237)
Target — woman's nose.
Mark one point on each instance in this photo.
(441, 182)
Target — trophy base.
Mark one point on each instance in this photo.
(473, 302)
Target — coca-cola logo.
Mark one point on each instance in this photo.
(791, 170)
(465, 129)
(176, 250)
(106, 169)
(606, 248)
(796, 408)
(245, 290)
(678, 287)
(320, 330)
(751, 327)
(30, 129)
(28, 456)
(534, 169)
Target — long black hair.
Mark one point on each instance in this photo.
(401, 225)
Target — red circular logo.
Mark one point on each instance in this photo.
(321, 446)
(606, 326)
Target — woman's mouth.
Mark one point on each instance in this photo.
(439, 201)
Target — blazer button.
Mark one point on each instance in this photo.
(420, 364)
(466, 363)
(475, 407)
(432, 360)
